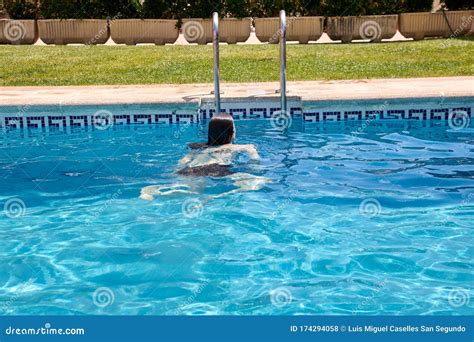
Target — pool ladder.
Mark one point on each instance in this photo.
(217, 72)
(215, 43)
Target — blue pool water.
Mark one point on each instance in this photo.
(378, 222)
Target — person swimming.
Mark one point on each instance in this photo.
(213, 159)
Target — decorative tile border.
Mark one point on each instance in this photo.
(250, 113)
(90, 116)
(64, 120)
(250, 108)
(390, 114)
(425, 109)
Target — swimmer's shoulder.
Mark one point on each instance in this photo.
(242, 147)
(235, 149)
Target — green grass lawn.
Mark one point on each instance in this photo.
(85, 65)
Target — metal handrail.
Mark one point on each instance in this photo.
(215, 42)
(283, 60)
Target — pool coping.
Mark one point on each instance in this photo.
(306, 91)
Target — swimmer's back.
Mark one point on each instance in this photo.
(221, 155)
(210, 170)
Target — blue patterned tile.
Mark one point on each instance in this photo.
(416, 114)
(439, 114)
(353, 115)
(164, 118)
(57, 121)
(463, 109)
(14, 122)
(311, 116)
(184, 118)
(78, 121)
(373, 114)
(394, 114)
(272, 110)
(142, 119)
(123, 119)
(296, 111)
(35, 121)
(258, 113)
(331, 116)
(238, 113)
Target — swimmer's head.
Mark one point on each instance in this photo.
(221, 130)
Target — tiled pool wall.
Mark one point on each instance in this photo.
(96, 115)
(244, 109)
(427, 109)
(60, 117)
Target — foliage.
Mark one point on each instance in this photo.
(21, 9)
(85, 9)
(459, 4)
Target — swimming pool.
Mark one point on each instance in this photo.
(373, 219)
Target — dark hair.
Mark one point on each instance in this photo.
(221, 131)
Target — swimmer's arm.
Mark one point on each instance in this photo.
(252, 152)
(185, 160)
(245, 182)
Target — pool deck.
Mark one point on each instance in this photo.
(192, 93)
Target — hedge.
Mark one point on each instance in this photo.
(85, 9)
(74, 9)
(178, 9)
(21, 9)
(459, 4)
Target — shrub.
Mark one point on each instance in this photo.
(156, 9)
(21, 9)
(198, 8)
(237, 8)
(271, 8)
(114, 8)
(205, 8)
(367, 7)
(312, 7)
(454, 5)
(416, 5)
(344, 8)
(61, 9)
(84, 9)
(381, 7)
